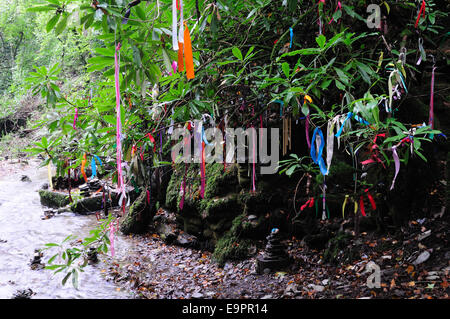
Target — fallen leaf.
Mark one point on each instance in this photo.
(392, 284)
(411, 284)
(410, 269)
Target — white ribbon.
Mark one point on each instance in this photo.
(174, 26)
(330, 142)
(181, 33)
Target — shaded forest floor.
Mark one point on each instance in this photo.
(414, 263)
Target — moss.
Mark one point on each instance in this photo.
(53, 199)
(138, 217)
(220, 208)
(231, 246)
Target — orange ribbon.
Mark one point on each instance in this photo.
(188, 53)
(180, 57)
(83, 164)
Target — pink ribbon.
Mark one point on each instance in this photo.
(112, 230)
(307, 131)
(397, 164)
(118, 129)
(202, 172)
(254, 161)
(183, 188)
(431, 115)
(75, 118)
(337, 7)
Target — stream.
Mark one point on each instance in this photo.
(22, 231)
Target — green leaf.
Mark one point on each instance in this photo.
(237, 53)
(291, 170)
(51, 245)
(52, 22)
(285, 68)
(342, 76)
(41, 8)
(166, 60)
(339, 85)
(65, 278)
(75, 278)
(62, 24)
(321, 40)
(420, 155)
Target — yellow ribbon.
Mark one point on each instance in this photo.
(49, 169)
(343, 206)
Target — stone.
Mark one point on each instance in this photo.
(423, 257)
(53, 199)
(44, 186)
(275, 256)
(92, 256)
(424, 235)
(138, 217)
(186, 240)
(166, 233)
(36, 262)
(267, 297)
(25, 178)
(197, 295)
(317, 288)
(23, 294)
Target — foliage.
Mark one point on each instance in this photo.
(244, 62)
(72, 253)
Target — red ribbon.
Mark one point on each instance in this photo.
(374, 152)
(152, 139)
(372, 201)
(309, 203)
(361, 205)
(421, 12)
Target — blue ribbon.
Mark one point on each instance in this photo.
(317, 158)
(204, 136)
(361, 120)
(93, 166)
(349, 115)
(292, 36)
(281, 106)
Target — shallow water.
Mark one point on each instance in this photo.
(24, 230)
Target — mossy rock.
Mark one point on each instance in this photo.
(218, 182)
(87, 205)
(218, 208)
(53, 199)
(231, 246)
(138, 217)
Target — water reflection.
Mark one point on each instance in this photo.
(22, 230)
